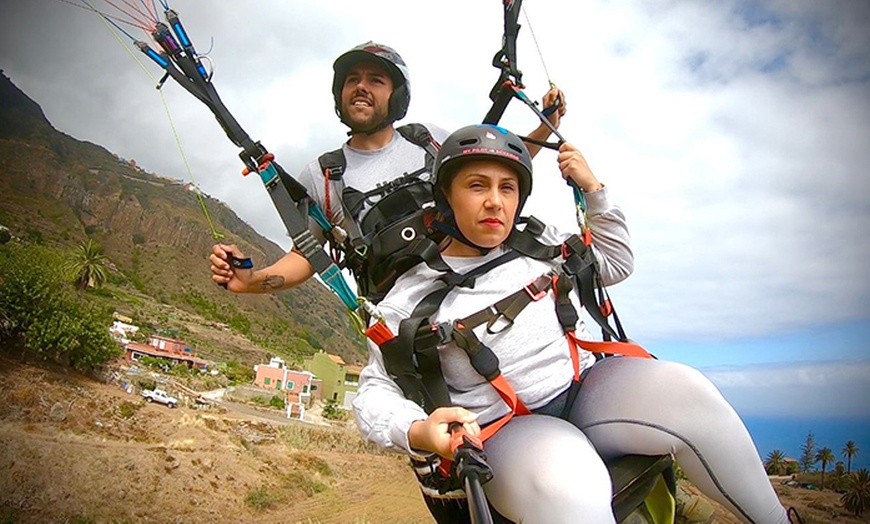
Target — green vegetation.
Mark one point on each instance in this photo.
(263, 498)
(331, 411)
(849, 451)
(306, 479)
(808, 453)
(303, 482)
(314, 463)
(236, 372)
(825, 456)
(42, 314)
(127, 409)
(775, 462)
(87, 265)
(274, 401)
(856, 499)
(854, 487)
(223, 312)
(277, 402)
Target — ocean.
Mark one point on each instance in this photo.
(789, 435)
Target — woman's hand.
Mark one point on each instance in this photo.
(433, 434)
(573, 166)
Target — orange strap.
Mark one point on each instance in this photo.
(627, 349)
(510, 398)
(575, 354)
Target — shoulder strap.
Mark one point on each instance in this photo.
(420, 135)
(332, 164)
(526, 241)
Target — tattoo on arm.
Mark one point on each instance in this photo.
(272, 283)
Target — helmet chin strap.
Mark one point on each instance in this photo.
(449, 228)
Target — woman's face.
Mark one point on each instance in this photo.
(484, 196)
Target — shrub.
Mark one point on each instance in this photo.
(856, 499)
(263, 498)
(237, 373)
(39, 309)
(299, 481)
(127, 409)
(277, 402)
(331, 411)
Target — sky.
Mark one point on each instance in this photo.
(735, 136)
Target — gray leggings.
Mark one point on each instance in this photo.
(548, 470)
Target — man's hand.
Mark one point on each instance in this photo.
(223, 272)
(555, 97)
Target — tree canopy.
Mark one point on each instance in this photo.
(40, 312)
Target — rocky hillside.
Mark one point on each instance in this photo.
(58, 190)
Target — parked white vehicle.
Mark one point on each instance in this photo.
(158, 395)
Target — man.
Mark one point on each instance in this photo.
(372, 91)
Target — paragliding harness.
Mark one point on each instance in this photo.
(642, 486)
(381, 246)
(411, 357)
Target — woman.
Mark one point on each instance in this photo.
(549, 465)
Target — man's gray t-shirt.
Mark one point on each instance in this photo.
(365, 170)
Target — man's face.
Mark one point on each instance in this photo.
(365, 96)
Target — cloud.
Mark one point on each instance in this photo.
(733, 134)
(828, 389)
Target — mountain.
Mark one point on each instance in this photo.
(58, 190)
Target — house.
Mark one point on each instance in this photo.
(122, 332)
(169, 349)
(340, 379)
(299, 386)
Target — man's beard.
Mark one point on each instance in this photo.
(369, 125)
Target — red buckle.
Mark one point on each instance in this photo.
(268, 157)
(587, 237)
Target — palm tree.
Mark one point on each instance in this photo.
(775, 462)
(857, 496)
(87, 265)
(838, 475)
(849, 451)
(825, 455)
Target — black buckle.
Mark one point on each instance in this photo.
(433, 335)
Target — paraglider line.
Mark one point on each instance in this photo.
(214, 232)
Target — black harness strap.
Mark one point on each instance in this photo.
(501, 315)
(411, 358)
(420, 135)
(374, 248)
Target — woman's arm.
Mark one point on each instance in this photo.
(610, 237)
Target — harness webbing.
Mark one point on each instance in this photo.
(411, 357)
(382, 244)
